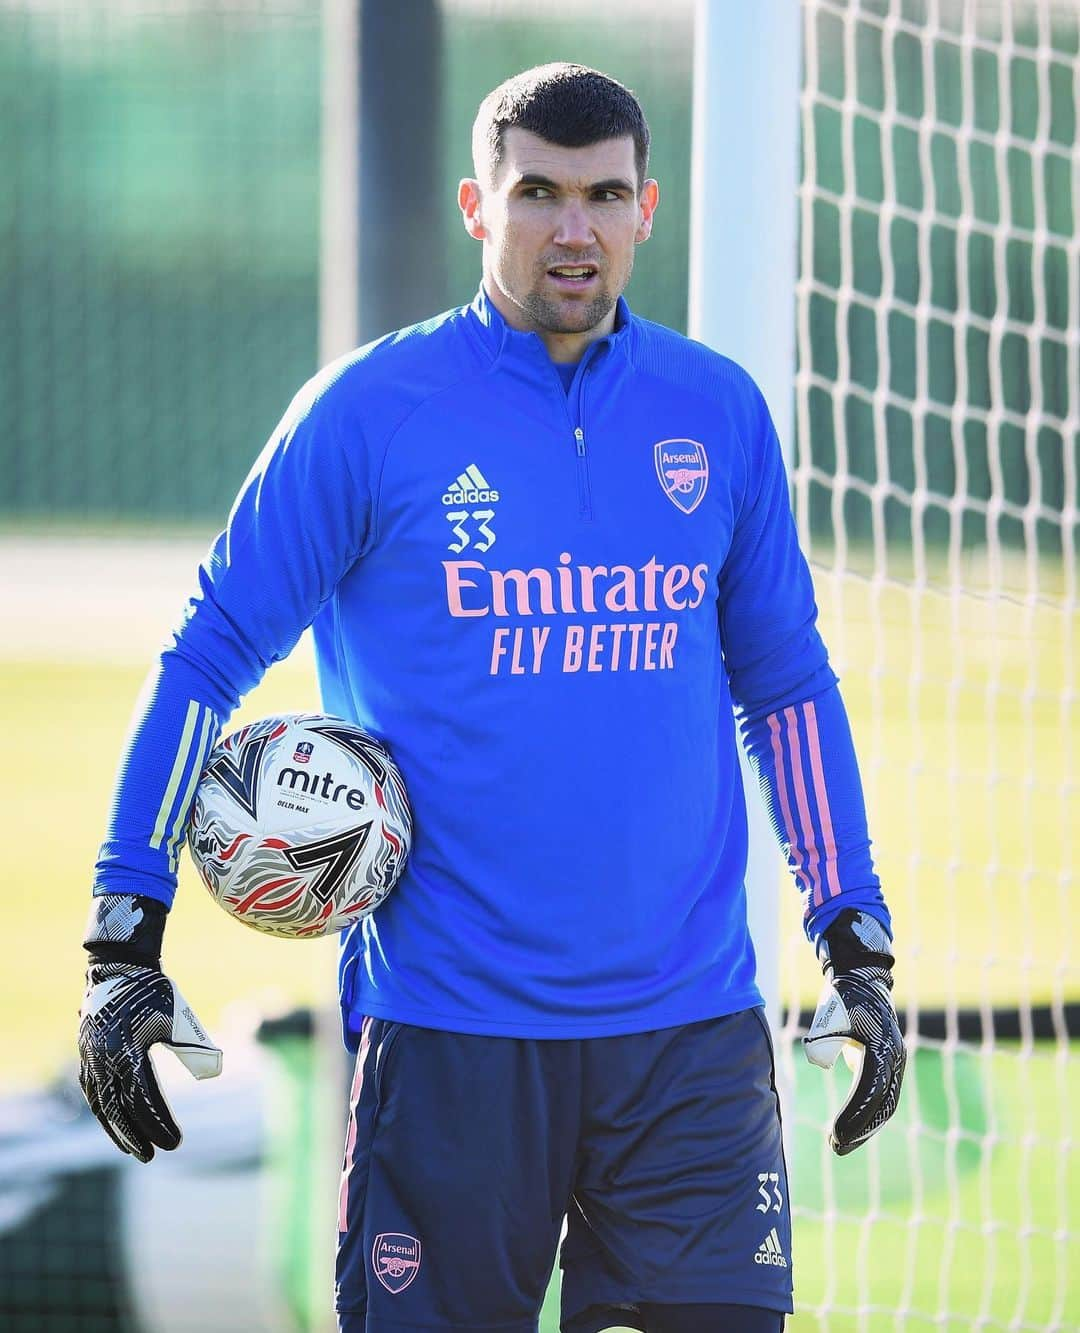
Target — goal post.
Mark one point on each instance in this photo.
(743, 219)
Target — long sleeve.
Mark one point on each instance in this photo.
(299, 522)
(804, 757)
(793, 721)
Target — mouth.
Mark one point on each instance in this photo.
(573, 277)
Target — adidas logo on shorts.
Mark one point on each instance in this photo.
(470, 488)
(770, 1251)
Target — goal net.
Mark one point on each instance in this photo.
(938, 431)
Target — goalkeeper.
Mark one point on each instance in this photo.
(545, 547)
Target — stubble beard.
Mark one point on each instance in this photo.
(554, 317)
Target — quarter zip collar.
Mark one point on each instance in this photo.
(502, 342)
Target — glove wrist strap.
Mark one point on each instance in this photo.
(125, 928)
(854, 941)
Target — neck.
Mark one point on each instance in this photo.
(563, 348)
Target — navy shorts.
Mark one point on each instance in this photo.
(464, 1154)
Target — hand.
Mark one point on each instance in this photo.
(855, 1015)
(129, 1006)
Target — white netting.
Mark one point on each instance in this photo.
(938, 401)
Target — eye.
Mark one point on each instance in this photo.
(607, 196)
(536, 192)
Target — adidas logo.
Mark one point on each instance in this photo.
(770, 1251)
(471, 488)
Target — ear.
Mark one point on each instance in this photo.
(469, 201)
(647, 202)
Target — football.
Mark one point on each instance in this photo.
(300, 825)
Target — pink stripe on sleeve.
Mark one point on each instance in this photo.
(802, 804)
(822, 795)
(785, 805)
(350, 1138)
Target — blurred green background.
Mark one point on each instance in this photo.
(160, 218)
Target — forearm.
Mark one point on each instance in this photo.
(805, 759)
(176, 721)
(219, 653)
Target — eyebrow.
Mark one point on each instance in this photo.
(536, 178)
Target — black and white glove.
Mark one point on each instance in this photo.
(855, 1016)
(129, 1006)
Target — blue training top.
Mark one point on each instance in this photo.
(546, 602)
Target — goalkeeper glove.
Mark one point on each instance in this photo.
(130, 1005)
(855, 1015)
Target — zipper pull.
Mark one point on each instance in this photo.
(579, 436)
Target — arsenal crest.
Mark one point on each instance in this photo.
(395, 1259)
(683, 469)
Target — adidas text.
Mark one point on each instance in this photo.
(777, 1260)
(770, 1253)
(470, 487)
(463, 497)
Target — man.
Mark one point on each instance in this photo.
(544, 545)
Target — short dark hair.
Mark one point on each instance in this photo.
(569, 105)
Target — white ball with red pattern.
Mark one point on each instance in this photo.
(300, 825)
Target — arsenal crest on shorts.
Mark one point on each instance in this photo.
(683, 469)
(395, 1259)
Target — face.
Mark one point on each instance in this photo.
(559, 227)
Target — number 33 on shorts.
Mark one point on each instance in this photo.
(769, 1189)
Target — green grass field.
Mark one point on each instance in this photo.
(965, 718)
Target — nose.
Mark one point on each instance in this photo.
(574, 229)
